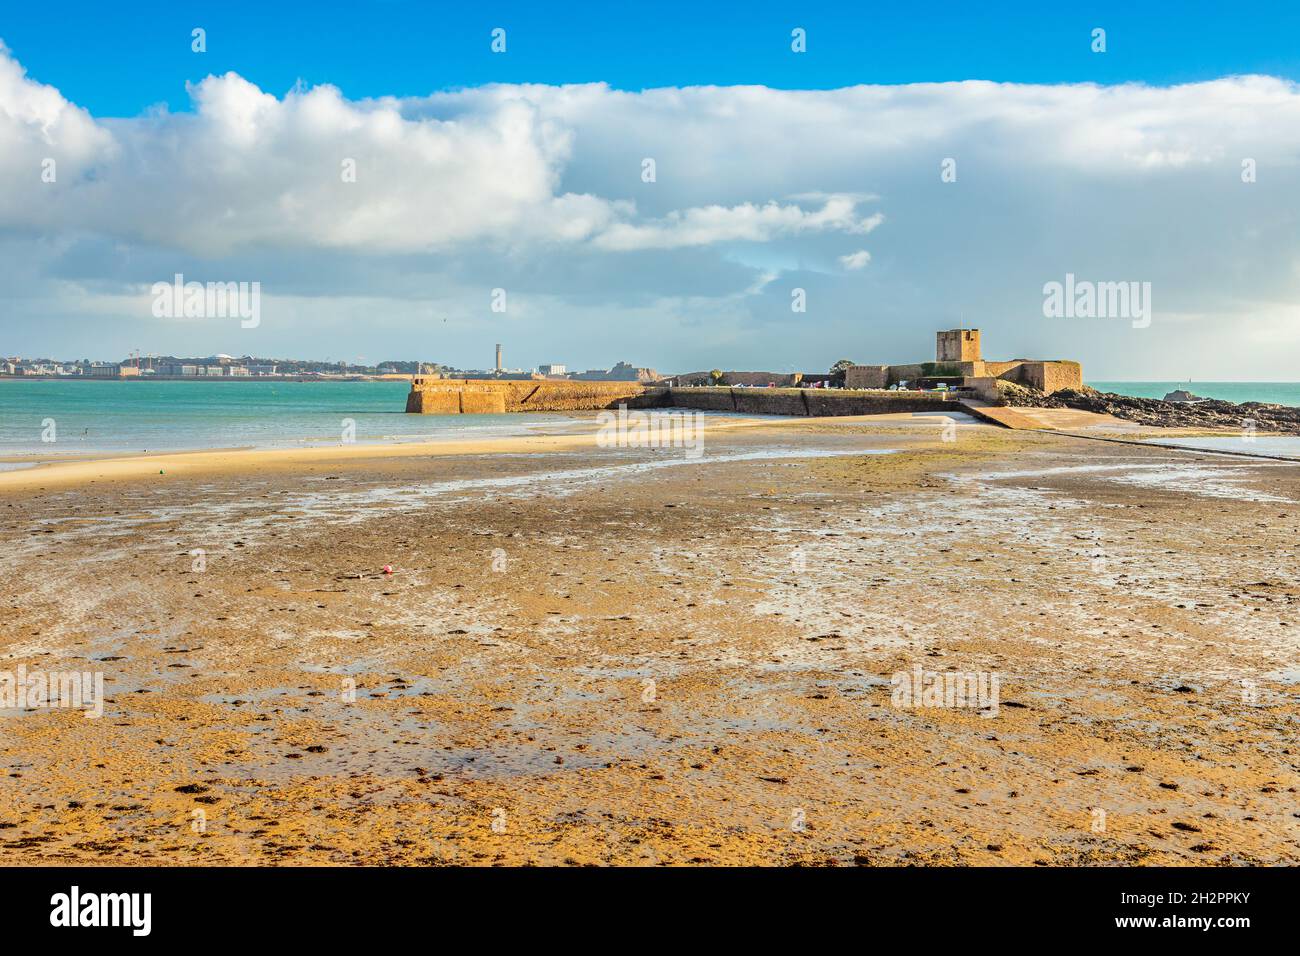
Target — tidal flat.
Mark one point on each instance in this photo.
(581, 655)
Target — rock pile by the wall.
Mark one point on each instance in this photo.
(1208, 413)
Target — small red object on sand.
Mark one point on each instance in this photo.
(388, 569)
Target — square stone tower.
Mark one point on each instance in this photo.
(958, 345)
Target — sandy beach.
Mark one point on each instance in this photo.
(586, 655)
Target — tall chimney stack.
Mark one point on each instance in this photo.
(498, 358)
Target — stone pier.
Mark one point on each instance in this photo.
(456, 396)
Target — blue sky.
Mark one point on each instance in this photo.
(116, 59)
(1173, 158)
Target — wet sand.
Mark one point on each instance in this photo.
(587, 655)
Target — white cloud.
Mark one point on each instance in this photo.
(538, 189)
(248, 169)
(747, 222)
(37, 124)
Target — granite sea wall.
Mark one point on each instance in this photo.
(470, 396)
(467, 397)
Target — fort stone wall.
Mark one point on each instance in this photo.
(866, 376)
(795, 401)
(905, 373)
(1051, 377)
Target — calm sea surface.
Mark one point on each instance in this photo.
(1278, 393)
(159, 416)
(124, 416)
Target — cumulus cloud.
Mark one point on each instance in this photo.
(538, 189)
(37, 126)
(748, 222)
(312, 169)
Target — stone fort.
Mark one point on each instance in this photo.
(957, 362)
(957, 355)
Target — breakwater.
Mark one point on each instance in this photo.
(447, 396)
(797, 401)
(471, 396)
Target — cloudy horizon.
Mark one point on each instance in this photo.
(675, 227)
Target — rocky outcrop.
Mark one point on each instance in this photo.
(1205, 413)
(1182, 395)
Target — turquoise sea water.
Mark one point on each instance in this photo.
(1278, 393)
(131, 416)
(127, 416)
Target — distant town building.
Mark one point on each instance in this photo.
(552, 369)
(104, 370)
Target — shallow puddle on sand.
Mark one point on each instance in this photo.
(244, 516)
(1202, 479)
